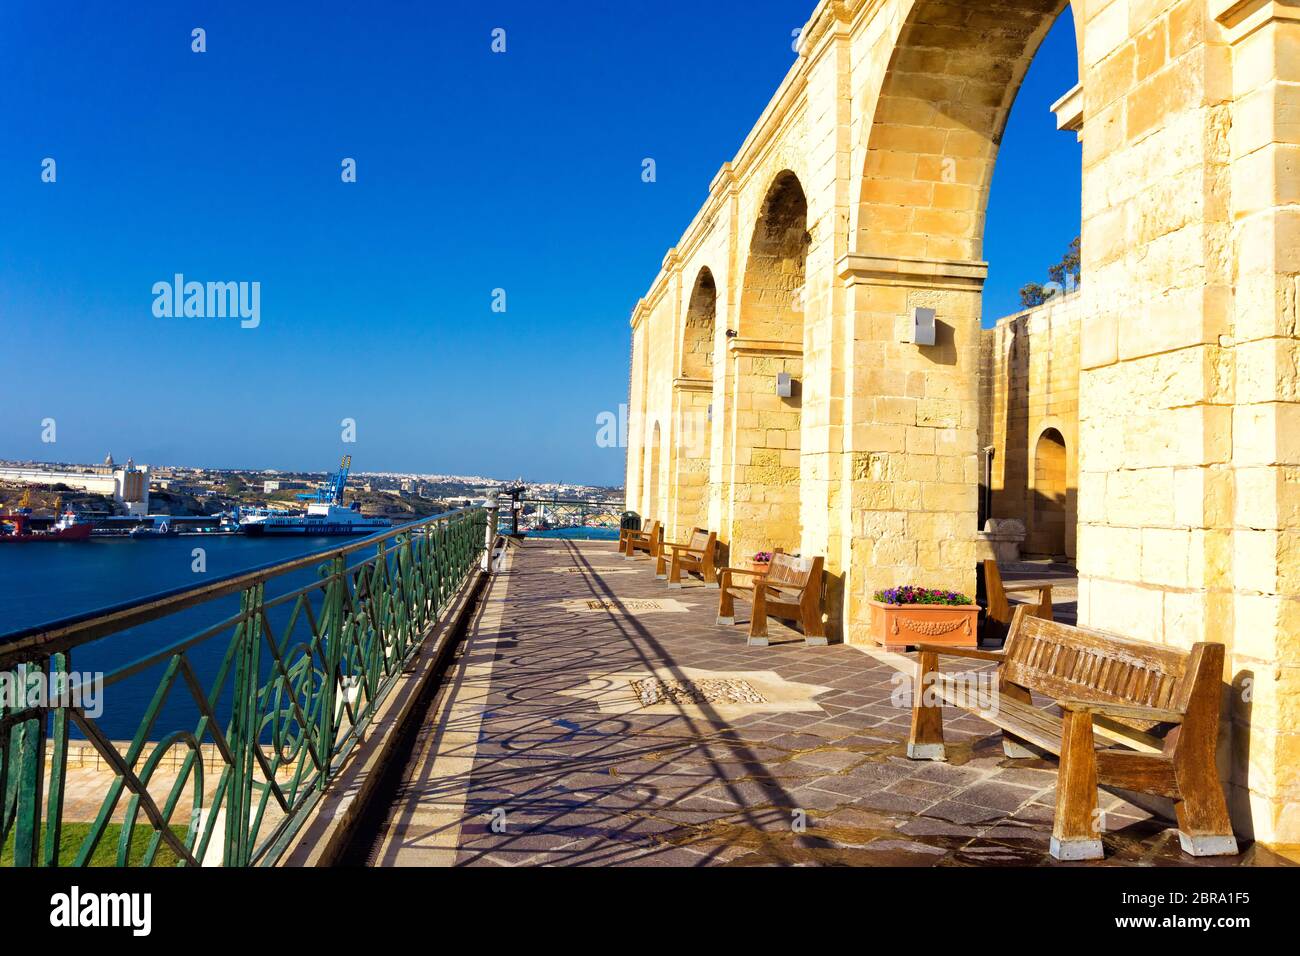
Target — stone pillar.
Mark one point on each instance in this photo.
(826, 43)
(765, 490)
(636, 437)
(690, 475)
(1264, 341)
(910, 461)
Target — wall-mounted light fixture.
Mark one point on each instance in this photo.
(784, 385)
(922, 326)
(709, 414)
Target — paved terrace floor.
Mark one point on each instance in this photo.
(565, 733)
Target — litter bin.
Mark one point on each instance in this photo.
(630, 521)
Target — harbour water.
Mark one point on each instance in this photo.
(46, 581)
(43, 582)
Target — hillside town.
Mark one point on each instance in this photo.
(110, 489)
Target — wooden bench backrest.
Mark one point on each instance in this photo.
(700, 538)
(1062, 661)
(651, 530)
(791, 572)
(999, 609)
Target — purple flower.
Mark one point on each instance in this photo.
(911, 594)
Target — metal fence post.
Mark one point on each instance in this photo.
(491, 537)
(331, 658)
(244, 727)
(20, 801)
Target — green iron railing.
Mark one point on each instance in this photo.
(301, 678)
(557, 516)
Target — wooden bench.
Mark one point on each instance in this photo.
(648, 540)
(695, 556)
(996, 592)
(790, 589)
(1132, 715)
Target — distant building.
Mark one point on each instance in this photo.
(129, 485)
(281, 485)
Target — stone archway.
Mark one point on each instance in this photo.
(692, 393)
(767, 374)
(1050, 490)
(947, 93)
(701, 321)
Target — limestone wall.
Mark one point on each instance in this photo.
(1029, 396)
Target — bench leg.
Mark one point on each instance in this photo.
(1203, 825)
(813, 632)
(726, 607)
(675, 571)
(1013, 746)
(1076, 829)
(758, 620)
(925, 741)
(709, 573)
(661, 568)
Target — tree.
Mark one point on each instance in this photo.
(1032, 294)
(1062, 277)
(1066, 272)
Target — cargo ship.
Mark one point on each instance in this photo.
(18, 528)
(326, 514)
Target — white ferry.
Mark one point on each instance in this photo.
(321, 518)
(326, 514)
(239, 517)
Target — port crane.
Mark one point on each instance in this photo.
(331, 493)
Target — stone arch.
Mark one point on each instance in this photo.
(766, 424)
(692, 395)
(701, 323)
(771, 301)
(955, 70)
(1050, 492)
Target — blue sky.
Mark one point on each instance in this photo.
(475, 171)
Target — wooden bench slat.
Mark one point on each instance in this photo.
(1043, 729)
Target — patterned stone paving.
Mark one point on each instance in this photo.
(652, 690)
(519, 761)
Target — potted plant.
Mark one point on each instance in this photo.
(762, 560)
(914, 615)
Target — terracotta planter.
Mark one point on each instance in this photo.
(897, 626)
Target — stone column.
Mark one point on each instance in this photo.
(910, 462)
(690, 475)
(765, 493)
(636, 438)
(1264, 340)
